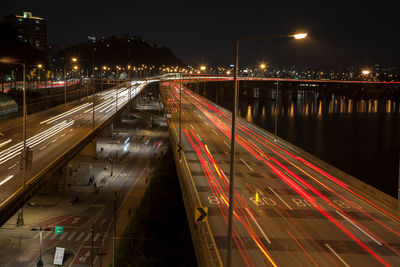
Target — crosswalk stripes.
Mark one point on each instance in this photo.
(80, 236)
(87, 237)
(62, 236)
(46, 234)
(68, 236)
(96, 236)
(53, 236)
(72, 235)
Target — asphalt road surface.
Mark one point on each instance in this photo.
(288, 211)
(52, 132)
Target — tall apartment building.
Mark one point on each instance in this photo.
(30, 29)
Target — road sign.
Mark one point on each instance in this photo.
(59, 255)
(179, 147)
(201, 214)
(59, 229)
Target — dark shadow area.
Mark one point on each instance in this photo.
(159, 234)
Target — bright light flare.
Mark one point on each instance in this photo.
(365, 72)
(298, 36)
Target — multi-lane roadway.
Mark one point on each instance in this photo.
(288, 211)
(52, 132)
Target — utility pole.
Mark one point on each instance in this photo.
(232, 166)
(65, 86)
(93, 99)
(116, 99)
(398, 193)
(87, 89)
(24, 154)
(115, 224)
(180, 113)
(276, 106)
(92, 249)
(41, 229)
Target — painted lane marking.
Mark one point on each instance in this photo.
(337, 255)
(278, 196)
(344, 217)
(248, 166)
(259, 228)
(12, 166)
(227, 145)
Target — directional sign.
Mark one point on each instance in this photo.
(201, 214)
(179, 148)
(59, 229)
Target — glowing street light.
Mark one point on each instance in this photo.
(203, 68)
(365, 72)
(233, 129)
(262, 66)
(74, 59)
(298, 36)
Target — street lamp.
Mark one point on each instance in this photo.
(24, 152)
(101, 78)
(41, 229)
(262, 68)
(39, 67)
(74, 59)
(234, 111)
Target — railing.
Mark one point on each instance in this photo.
(203, 240)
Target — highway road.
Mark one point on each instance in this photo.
(52, 132)
(288, 211)
(133, 161)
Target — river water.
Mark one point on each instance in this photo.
(359, 137)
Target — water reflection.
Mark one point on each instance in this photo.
(356, 135)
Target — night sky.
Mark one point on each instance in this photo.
(203, 32)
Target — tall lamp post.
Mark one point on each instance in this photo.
(234, 111)
(24, 151)
(74, 59)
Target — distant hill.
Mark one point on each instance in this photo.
(122, 51)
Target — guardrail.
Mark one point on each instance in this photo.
(206, 250)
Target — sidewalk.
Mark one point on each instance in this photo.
(126, 213)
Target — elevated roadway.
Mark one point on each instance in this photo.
(289, 210)
(54, 135)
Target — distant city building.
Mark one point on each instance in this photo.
(91, 39)
(30, 29)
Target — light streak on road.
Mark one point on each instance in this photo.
(31, 142)
(321, 203)
(6, 179)
(5, 142)
(65, 114)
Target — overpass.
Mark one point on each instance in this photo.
(54, 136)
(290, 208)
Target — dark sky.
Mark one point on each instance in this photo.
(341, 32)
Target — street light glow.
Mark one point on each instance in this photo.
(203, 67)
(365, 72)
(40, 66)
(262, 66)
(74, 59)
(298, 36)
